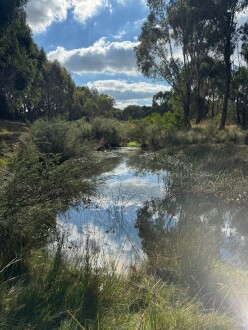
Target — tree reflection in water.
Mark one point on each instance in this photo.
(186, 236)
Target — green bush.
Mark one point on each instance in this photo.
(107, 131)
(132, 144)
(49, 173)
(59, 137)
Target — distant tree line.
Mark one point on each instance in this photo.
(32, 87)
(208, 80)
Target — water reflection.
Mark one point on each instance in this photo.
(106, 222)
(136, 213)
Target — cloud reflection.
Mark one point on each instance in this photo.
(106, 223)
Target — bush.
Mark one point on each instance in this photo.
(132, 144)
(107, 131)
(59, 137)
(49, 173)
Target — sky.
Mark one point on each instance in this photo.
(94, 40)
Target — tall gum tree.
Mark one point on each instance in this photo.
(18, 65)
(225, 26)
(172, 44)
(9, 9)
(161, 40)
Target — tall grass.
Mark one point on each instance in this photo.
(184, 284)
(57, 296)
(155, 135)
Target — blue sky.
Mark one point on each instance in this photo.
(94, 40)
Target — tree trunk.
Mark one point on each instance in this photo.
(3, 107)
(186, 116)
(228, 67)
(226, 97)
(199, 109)
(199, 103)
(186, 109)
(244, 117)
(213, 100)
(207, 108)
(237, 112)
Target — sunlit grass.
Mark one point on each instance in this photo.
(57, 296)
(132, 144)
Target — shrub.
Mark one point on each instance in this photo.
(49, 173)
(59, 137)
(132, 144)
(108, 131)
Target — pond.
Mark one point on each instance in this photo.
(136, 210)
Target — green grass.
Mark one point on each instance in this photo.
(11, 126)
(57, 296)
(206, 134)
(209, 168)
(183, 285)
(132, 144)
(10, 135)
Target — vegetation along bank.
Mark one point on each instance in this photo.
(52, 134)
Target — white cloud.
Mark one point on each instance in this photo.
(128, 2)
(123, 104)
(42, 13)
(102, 57)
(120, 35)
(85, 9)
(128, 93)
(243, 13)
(122, 88)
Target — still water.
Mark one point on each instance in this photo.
(136, 208)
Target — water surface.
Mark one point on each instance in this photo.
(136, 208)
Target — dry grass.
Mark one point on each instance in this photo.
(10, 135)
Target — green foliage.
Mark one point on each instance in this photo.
(107, 131)
(132, 111)
(17, 67)
(57, 90)
(87, 102)
(152, 131)
(9, 9)
(49, 173)
(62, 138)
(100, 300)
(132, 144)
(173, 120)
(196, 28)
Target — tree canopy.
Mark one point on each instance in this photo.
(183, 42)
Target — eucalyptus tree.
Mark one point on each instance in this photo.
(200, 46)
(215, 77)
(225, 32)
(160, 102)
(9, 9)
(173, 41)
(243, 32)
(18, 65)
(31, 104)
(105, 104)
(57, 90)
(239, 95)
(156, 53)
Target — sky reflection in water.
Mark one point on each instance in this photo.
(137, 187)
(107, 221)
